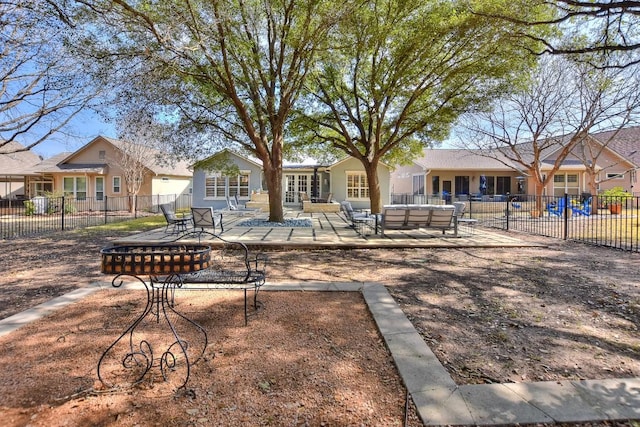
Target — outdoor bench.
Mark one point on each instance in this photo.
(231, 267)
(408, 217)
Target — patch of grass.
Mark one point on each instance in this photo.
(130, 226)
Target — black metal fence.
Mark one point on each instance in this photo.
(598, 220)
(46, 214)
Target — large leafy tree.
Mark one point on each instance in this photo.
(398, 76)
(224, 71)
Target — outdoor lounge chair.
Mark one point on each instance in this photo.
(351, 215)
(205, 220)
(233, 205)
(583, 209)
(556, 209)
(178, 223)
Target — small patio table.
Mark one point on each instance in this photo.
(157, 337)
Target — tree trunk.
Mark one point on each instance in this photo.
(374, 187)
(539, 201)
(273, 177)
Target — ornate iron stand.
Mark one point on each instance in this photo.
(156, 336)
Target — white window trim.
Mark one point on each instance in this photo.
(75, 186)
(424, 185)
(218, 175)
(614, 176)
(95, 187)
(346, 184)
(113, 184)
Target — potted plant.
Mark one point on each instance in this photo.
(613, 198)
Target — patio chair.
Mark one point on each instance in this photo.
(178, 223)
(303, 197)
(204, 219)
(583, 209)
(556, 209)
(232, 205)
(325, 200)
(352, 216)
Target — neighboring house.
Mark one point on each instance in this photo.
(345, 180)
(93, 172)
(13, 163)
(463, 172)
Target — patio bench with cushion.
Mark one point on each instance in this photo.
(408, 217)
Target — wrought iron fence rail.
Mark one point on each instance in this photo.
(47, 214)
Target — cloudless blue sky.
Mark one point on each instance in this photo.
(82, 130)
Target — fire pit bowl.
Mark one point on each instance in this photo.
(155, 259)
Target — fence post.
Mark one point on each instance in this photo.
(566, 216)
(106, 202)
(508, 214)
(135, 206)
(62, 213)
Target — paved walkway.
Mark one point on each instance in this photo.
(438, 399)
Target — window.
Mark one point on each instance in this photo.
(503, 185)
(615, 176)
(565, 183)
(99, 188)
(418, 185)
(117, 186)
(102, 155)
(357, 185)
(217, 185)
(75, 187)
(435, 185)
(462, 184)
(239, 185)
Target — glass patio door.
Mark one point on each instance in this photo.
(294, 184)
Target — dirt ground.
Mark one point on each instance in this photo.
(564, 311)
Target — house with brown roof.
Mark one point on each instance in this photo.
(14, 159)
(96, 170)
(491, 176)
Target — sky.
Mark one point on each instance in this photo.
(83, 128)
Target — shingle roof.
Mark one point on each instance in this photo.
(158, 163)
(625, 142)
(460, 159)
(13, 161)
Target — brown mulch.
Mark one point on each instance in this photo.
(564, 311)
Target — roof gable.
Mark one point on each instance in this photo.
(153, 162)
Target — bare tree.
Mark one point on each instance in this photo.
(41, 86)
(597, 29)
(556, 112)
(139, 139)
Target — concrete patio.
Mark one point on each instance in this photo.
(332, 230)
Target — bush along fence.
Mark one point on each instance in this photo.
(46, 214)
(607, 220)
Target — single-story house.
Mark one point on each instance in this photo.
(344, 180)
(95, 171)
(465, 172)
